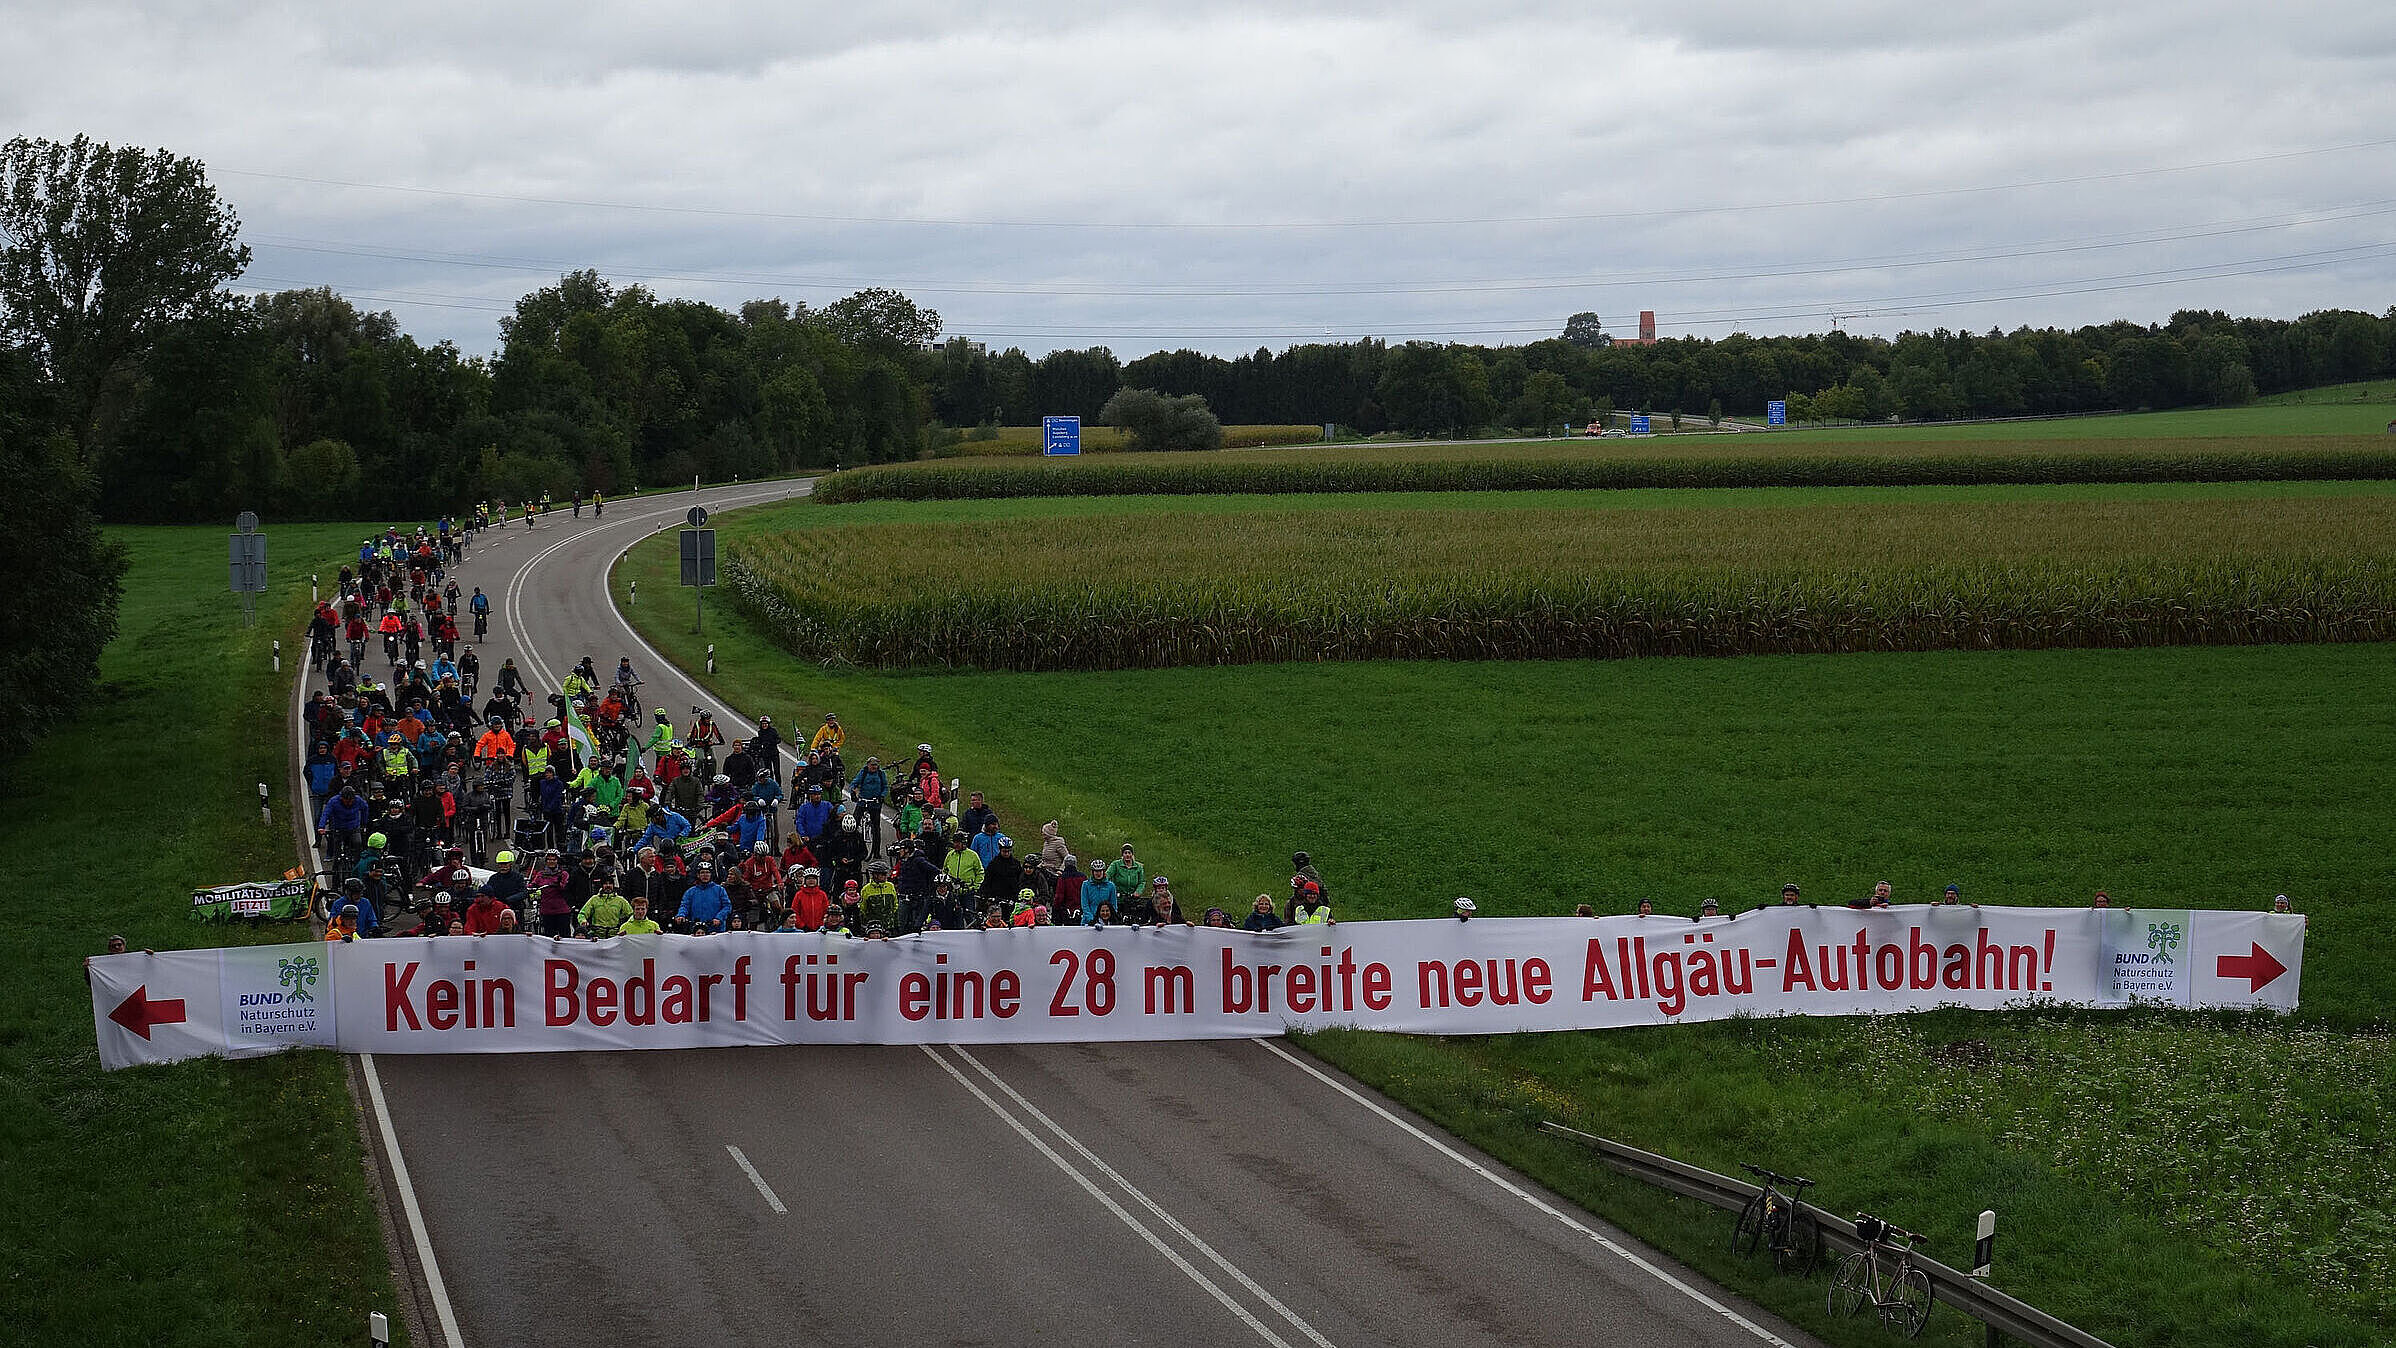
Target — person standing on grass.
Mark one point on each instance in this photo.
(1051, 862)
(872, 786)
(1097, 892)
(1129, 877)
(987, 840)
(977, 814)
(963, 866)
(1002, 871)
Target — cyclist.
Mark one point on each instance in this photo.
(578, 505)
(660, 739)
(703, 738)
(480, 606)
(510, 682)
(470, 670)
(598, 504)
(626, 681)
(342, 823)
(580, 680)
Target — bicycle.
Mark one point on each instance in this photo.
(1777, 1219)
(1882, 1275)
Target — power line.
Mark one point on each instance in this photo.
(831, 218)
(1359, 289)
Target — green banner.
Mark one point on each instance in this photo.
(279, 899)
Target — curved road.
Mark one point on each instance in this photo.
(1231, 1192)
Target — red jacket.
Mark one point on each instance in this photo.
(482, 916)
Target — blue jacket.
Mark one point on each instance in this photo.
(984, 845)
(553, 796)
(1095, 891)
(707, 905)
(665, 827)
(320, 777)
(505, 886)
(871, 784)
(752, 829)
(338, 813)
(811, 817)
(765, 788)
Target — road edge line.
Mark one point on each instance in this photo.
(407, 1198)
(1604, 1241)
(741, 1159)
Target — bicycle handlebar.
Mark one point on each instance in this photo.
(1774, 1175)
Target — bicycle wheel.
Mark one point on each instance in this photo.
(1908, 1307)
(1851, 1286)
(1800, 1248)
(1748, 1235)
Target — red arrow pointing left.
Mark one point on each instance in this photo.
(138, 1013)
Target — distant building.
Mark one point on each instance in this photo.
(1647, 331)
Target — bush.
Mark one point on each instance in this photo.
(1158, 423)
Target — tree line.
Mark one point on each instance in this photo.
(2198, 358)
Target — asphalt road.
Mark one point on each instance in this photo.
(1232, 1192)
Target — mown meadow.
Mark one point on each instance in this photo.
(2163, 1179)
(1497, 577)
(1021, 441)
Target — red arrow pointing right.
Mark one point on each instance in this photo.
(2258, 969)
(138, 1013)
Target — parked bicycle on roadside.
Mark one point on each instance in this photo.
(1883, 1277)
(1778, 1220)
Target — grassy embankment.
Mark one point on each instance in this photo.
(208, 1202)
(2165, 1179)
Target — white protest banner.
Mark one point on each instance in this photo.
(514, 994)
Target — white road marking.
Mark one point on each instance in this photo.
(759, 1180)
(1145, 1201)
(1263, 1331)
(407, 1199)
(1605, 1242)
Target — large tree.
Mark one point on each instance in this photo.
(64, 578)
(101, 247)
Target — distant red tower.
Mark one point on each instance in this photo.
(1647, 327)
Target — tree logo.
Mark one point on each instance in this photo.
(2163, 938)
(297, 974)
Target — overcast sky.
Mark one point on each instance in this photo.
(1226, 176)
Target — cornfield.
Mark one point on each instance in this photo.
(1716, 462)
(1025, 441)
(1164, 589)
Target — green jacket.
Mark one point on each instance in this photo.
(606, 912)
(1128, 877)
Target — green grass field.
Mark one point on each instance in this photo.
(1533, 576)
(2324, 411)
(208, 1202)
(2145, 1198)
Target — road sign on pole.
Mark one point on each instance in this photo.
(1060, 435)
(698, 563)
(1639, 425)
(1776, 413)
(247, 554)
(697, 515)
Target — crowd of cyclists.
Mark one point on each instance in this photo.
(451, 799)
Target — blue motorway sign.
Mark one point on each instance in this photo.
(1060, 435)
(1776, 413)
(1638, 425)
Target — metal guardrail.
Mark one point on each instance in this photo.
(2003, 1314)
